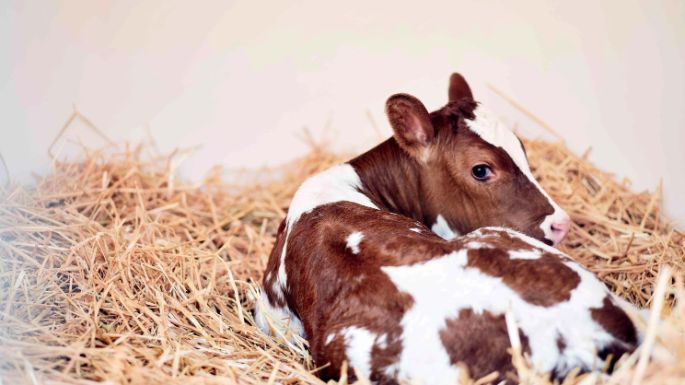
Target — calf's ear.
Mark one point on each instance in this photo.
(459, 88)
(411, 124)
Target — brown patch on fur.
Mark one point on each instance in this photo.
(383, 357)
(272, 267)
(392, 180)
(545, 281)
(615, 321)
(480, 341)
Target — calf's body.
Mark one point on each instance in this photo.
(357, 270)
(397, 302)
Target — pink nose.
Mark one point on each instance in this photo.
(559, 229)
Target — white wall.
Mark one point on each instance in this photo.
(242, 78)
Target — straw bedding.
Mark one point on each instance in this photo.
(114, 270)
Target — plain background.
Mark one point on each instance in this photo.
(242, 78)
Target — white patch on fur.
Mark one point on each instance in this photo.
(382, 341)
(329, 338)
(277, 321)
(443, 286)
(474, 235)
(524, 254)
(481, 233)
(338, 183)
(472, 245)
(358, 345)
(276, 289)
(353, 241)
(415, 229)
(495, 132)
(640, 317)
(442, 229)
(528, 239)
(392, 370)
(423, 358)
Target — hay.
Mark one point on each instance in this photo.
(114, 270)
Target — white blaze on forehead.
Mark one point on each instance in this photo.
(337, 184)
(442, 229)
(495, 132)
(353, 241)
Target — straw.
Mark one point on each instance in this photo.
(112, 268)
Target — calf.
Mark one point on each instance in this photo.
(456, 169)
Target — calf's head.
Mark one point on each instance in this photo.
(474, 171)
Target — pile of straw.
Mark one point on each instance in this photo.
(112, 269)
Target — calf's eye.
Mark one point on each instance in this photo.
(481, 172)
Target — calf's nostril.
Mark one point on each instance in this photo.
(561, 227)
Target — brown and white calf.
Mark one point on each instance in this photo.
(357, 271)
